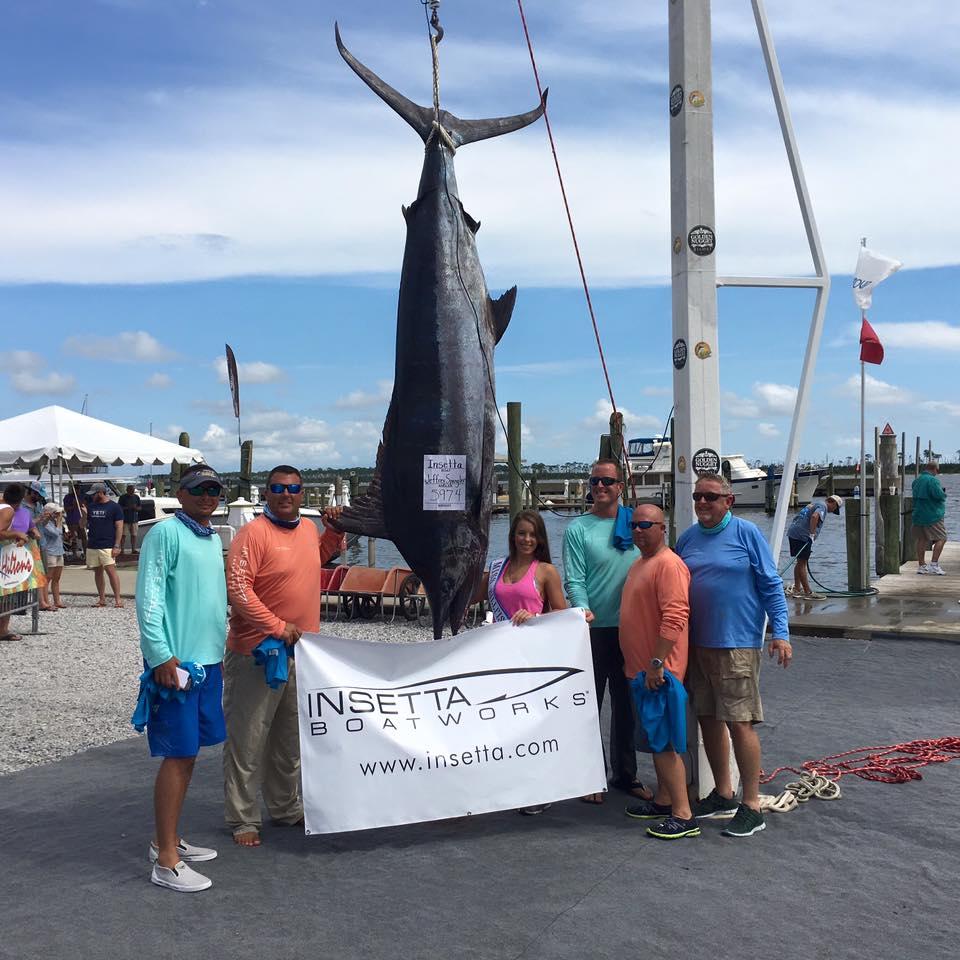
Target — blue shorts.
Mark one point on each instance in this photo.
(180, 729)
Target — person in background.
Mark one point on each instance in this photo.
(801, 533)
(182, 612)
(929, 509)
(50, 526)
(76, 525)
(129, 503)
(10, 532)
(273, 582)
(734, 586)
(595, 568)
(104, 534)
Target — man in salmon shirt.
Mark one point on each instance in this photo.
(273, 584)
(654, 622)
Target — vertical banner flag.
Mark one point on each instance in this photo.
(496, 718)
(871, 349)
(872, 268)
(233, 380)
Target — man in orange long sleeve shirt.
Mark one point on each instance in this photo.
(654, 627)
(273, 584)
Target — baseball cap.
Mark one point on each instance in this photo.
(98, 488)
(37, 487)
(198, 477)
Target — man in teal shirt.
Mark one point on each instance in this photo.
(594, 573)
(929, 508)
(182, 613)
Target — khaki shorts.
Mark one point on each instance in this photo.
(930, 534)
(54, 562)
(99, 558)
(725, 683)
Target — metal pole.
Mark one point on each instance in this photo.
(514, 478)
(819, 266)
(864, 575)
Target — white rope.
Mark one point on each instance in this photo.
(800, 791)
(438, 129)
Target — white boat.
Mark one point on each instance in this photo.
(651, 460)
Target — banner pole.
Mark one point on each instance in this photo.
(864, 576)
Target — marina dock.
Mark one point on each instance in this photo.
(908, 606)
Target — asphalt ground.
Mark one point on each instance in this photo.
(874, 874)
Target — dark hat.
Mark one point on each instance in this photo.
(199, 476)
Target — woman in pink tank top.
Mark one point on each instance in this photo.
(525, 583)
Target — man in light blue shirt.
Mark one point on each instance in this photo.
(182, 613)
(734, 585)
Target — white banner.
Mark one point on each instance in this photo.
(872, 268)
(493, 719)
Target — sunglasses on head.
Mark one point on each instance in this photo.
(645, 524)
(289, 487)
(606, 481)
(207, 490)
(709, 497)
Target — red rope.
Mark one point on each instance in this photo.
(893, 764)
(566, 205)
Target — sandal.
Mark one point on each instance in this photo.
(633, 787)
(595, 799)
(10, 637)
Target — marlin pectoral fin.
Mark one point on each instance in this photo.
(501, 310)
(420, 118)
(469, 131)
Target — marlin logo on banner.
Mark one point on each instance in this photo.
(439, 731)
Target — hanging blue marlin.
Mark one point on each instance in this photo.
(432, 492)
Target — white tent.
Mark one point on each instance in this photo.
(52, 433)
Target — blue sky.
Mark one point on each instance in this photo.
(176, 173)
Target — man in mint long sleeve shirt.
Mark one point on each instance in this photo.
(734, 585)
(929, 509)
(594, 573)
(182, 613)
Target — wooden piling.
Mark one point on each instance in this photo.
(514, 458)
(245, 484)
(851, 509)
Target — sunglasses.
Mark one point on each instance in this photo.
(606, 481)
(709, 497)
(645, 524)
(289, 487)
(208, 490)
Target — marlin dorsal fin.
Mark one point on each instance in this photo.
(501, 310)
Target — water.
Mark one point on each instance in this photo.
(828, 562)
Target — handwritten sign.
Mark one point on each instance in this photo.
(444, 481)
(16, 568)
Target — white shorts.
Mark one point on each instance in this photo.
(100, 558)
(54, 561)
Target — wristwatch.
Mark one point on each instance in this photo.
(656, 663)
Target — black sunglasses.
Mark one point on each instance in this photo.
(645, 524)
(289, 487)
(207, 490)
(606, 481)
(709, 497)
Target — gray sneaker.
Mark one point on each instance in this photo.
(746, 823)
(714, 807)
(187, 852)
(181, 878)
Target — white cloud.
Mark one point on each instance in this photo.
(159, 381)
(941, 406)
(632, 422)
(776, 398)
(359, 399)
(125, 346)
(768, 430)
(922, 335)
(740, 408)
(657, 391)
(28, 379)
(257, 371)
(878, 391)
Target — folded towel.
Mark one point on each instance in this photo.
(269, 655)
(150, 691)
(662, 712)
(622, 532)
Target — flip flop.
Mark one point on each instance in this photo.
(634, 788)
(594, 799)
(10, 637)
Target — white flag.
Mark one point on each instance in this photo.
(872, 268)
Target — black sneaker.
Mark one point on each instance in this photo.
(746, 823)
(673, 828)
(648, 810)
(714, 807)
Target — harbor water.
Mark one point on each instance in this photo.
(828, 562)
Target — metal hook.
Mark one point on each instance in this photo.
(434, 6)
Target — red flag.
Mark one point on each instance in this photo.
(871, 349)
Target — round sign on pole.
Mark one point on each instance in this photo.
(676, 100)
(701, 240)
(705, 460)
(680, 353)
(16, 567)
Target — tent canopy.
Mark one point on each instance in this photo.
(54, 432)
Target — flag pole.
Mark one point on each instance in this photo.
(864, 553)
